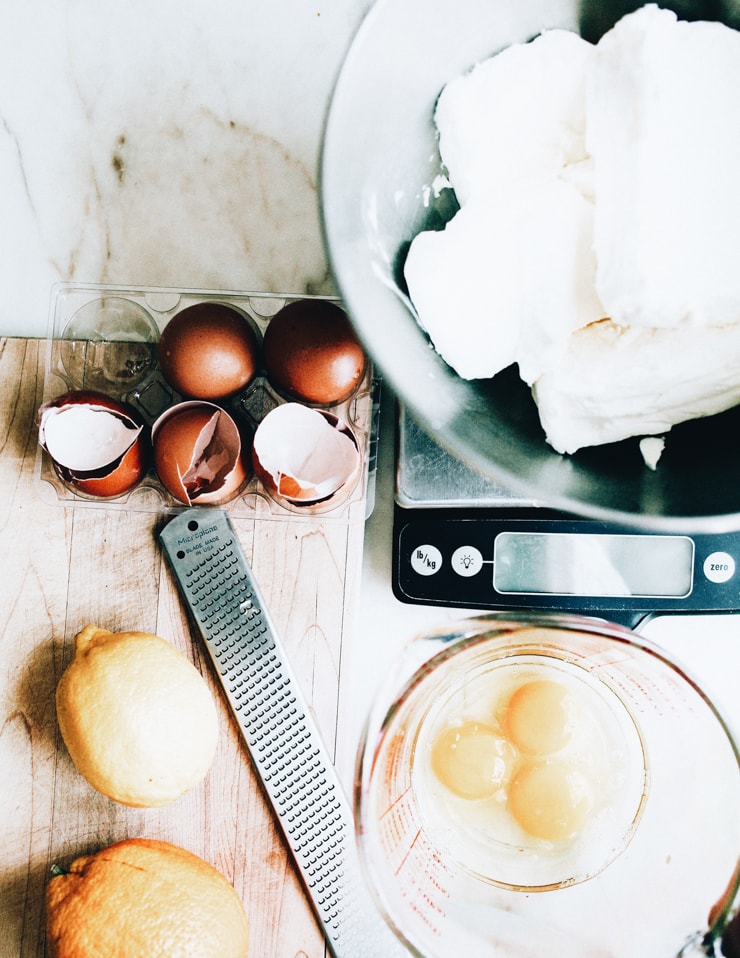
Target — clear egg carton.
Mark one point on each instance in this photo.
(104, 338)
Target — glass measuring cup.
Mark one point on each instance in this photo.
(650, 870)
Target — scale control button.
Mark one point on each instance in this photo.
(719, 567)
(426, 560)
(467, 561)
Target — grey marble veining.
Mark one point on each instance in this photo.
(163, 143)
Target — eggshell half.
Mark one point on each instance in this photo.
(96, 443)
(198, 455)
(305, 455)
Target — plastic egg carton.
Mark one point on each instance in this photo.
(104, 338)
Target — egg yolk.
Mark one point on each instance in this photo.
(551, 800)
(540, 717)
(472, 760)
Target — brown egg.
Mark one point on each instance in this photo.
(208, 351)
(311, 353)
(198, 453)
(96, 443)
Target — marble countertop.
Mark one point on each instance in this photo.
(163, 144)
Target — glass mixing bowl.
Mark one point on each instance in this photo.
(379, 161)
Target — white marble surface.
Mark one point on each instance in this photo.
(165, 143)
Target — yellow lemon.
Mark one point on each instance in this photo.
(144, 897)
(137, 717)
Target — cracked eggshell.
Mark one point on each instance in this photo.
(208, 351)
(97, 444)
(198, 455)
(305, 455)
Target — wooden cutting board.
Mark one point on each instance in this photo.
(62, 567)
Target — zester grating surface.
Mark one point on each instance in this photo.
(284, 743)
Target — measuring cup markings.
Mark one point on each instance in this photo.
(616, 666)
(407, 852)
(641, 692)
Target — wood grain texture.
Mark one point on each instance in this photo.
(62, 567)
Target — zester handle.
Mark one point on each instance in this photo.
(285, 745)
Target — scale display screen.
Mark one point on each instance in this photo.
(484, 559)
(561, 563)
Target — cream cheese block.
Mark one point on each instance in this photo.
(663, 131)
(506, 283)
(516, 116)
(513, 273)
(615, 382)
(595, 182)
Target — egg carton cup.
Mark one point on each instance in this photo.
(104, 338)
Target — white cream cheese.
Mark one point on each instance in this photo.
(651, 449)
(504, 283)
(513, 273)
(663, 131)
(519, 115)
(615, 382)
(594, 181)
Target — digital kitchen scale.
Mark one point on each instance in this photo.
(462, 540)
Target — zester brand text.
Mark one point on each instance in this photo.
(184, 540)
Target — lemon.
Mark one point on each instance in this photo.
(138, 719)
(142, 897)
